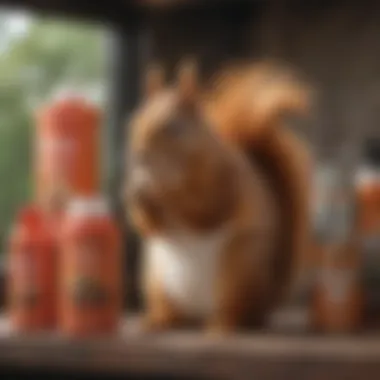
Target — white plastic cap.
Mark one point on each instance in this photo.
(70, 92)
(88, 206)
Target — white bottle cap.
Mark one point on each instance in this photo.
(68, 92)
(88, 206)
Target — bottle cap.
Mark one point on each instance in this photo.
(88, 206)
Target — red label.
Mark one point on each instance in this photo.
(88, 288)
(57, 156)
(24, 269)
(25, 278)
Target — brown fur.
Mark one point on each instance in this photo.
(223, 159)
(247, 106)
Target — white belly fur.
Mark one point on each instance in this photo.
(187, 266)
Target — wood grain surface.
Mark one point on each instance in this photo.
(287, 350)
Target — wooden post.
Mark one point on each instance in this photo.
(124, 93)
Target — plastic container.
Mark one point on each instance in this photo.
(91, 281)
(66, 151)
(32, 276)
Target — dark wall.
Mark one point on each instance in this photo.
(212, 34)
(337, 47)
(333, 44)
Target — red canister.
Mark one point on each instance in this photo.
(32, 273)
(90, 287)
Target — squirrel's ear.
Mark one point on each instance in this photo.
(188, 85)
(154, 80)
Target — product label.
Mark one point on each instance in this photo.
(57, 155)
(24, 273)
(88, 288)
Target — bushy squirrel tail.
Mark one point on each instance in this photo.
(248, 106)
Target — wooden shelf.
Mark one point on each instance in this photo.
(278, 354)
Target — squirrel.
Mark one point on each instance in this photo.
(218, 189)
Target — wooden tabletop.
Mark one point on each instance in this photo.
(277, 354)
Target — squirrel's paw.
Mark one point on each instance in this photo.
(157, 323)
